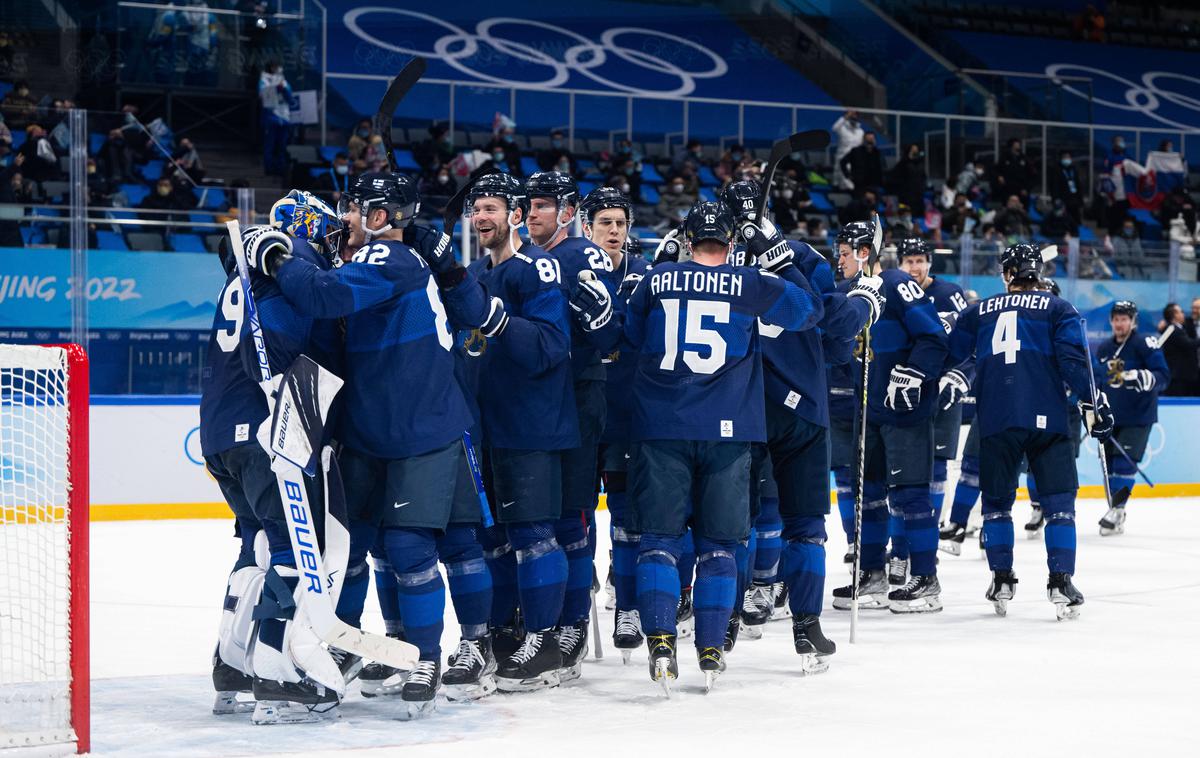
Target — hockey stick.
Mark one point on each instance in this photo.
(1087, 350)
(289, 478)
(485, 509)
(876, 244)
(401, 84)
(813, 139)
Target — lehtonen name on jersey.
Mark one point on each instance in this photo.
(1025, 300)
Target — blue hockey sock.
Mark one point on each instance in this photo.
(920, 528)
(278, 542)
(502, 566)
(686, 560)
(896, 533)
(803, 566)
(571, 534)
(386, 588)
(845, 500)
(355, 585)
(658, 583)
(998, 531)
(716, 590)
(743, 558)
(1117, 482)
(1059, 510)
(413, 554)
(624, 552)
(469, 579)
(769, 530)
(967, 491)
(541, 573)
(874, 525)
(937, 488)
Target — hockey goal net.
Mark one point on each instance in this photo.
(44, 678)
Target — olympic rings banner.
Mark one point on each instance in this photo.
(613, 47)
(1135, 86)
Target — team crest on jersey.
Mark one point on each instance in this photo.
(475, 344)
(1116, 367)
(858, 349)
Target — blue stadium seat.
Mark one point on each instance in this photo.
(95, 142)
(201, 218)
(820, 202)
(135, 193)
(152, 171)
(707, 177)
(33, 236)
(650, 173)
(186, 243)
(1151, 229)
(406, 162)
(706, 193)
(529, 165)
(110, 240)
(329, 151)
(585, 188)
(1086, 234)
(650, 194)
(315, 171)
(5, 88)
(124, 214)
(212, 198)
(18, 137)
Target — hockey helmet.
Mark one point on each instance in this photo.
(742, 198)
(1022, 261)
(708, 220)
(913, 247)
(502, 186)
(856, 234)
(602, 198)
(1124, 308)
(553, 184)
(395, 193)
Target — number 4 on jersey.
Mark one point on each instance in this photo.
(1004, 336)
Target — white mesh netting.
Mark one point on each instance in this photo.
(35, 706)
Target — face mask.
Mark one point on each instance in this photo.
(1127, 232)
(736, 156)
(787, 194)
(23, 92)
(623, 187)
(1065, 162)
(564, 167)
(364, 133)
(443, 179)
(557, 143)
(1120, 144)
(342, 170)
(508, 138)
(978, 172)
(164, 191)
(447, 140)
(628, 170)
(677, 188)
(497, 156)
(91, 169)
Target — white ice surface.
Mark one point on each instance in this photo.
(1122, 680)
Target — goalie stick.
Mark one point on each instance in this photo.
(813, 139)
(288, 476)
(381, 123)
(872, 259)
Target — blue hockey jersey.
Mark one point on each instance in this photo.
(794, 364)
(621, 363)
(576, 254)
(907, 333)
(1130, 407)
(1026, 345)
(699, 374)
(525, 389)
(401, 396)
(232, 404)
(947, 297)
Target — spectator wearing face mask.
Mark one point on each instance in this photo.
(627, 177)
(333, 181)
(436, 191)
(1179, 348)
(864, 166)
(1015, 173)
(728, 163)
(1126, 244)
(790, 201)
(275, 95)
(1012, 221)
(557, 155)
(861, 208)
(692, 154)
(165, 197)
(908, 177)
(1113, 185)
(1066, 186)
(187, 159)
(961, 217)
(849, 133)
(359, 139)
(1057, 222)
(436, 151)
(505, 152)
(674, 202)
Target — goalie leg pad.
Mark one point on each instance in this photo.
(236, 632)
(287, 649)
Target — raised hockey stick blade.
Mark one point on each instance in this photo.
(298, 513)
(381, 124)
(813, 139)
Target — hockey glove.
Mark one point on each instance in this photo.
(1138, 380)
(628, 285)
(591, 302)
(496, 321)
(668, 250)
(869, 288)
(904, 389)
(266, 249)
(952, 387)
(434, 247)
(766, 245)
(1099, 417)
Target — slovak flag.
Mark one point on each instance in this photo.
(1148, 188)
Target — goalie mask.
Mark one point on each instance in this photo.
(305, 216)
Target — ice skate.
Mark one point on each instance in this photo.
(848, 558)
(472, 671)
(812, 646)
(731, 632)
(380, 679)
(533, 666)
(229, 683)
(1065, 596)
(303, 702)
(780, 609)
(1001, 590)
(872, 591)
(685, 621)
(627, 636)
(951, 538)
(664, 667)
(610, 590)
(419, 694)
(351, 665)
(1113, 521)
(1037, 520)
(756, 609)
(712, 663)
(506, 639)
(897, 570)
(573, 644)
(919, 595)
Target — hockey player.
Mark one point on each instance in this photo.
(916, 259)
(402, 446)
(527, 404)
(607, 215)
(698, 405)
(553, 198)
(908, 346)
(797, 432)
(232, 406)
(1027, 344)
(1136, 371)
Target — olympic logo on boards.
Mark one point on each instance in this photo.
(1144, 98)
(458, 46)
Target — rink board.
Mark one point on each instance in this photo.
(146, 461)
